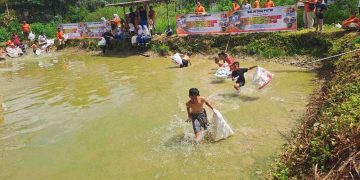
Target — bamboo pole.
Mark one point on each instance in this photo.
(124, 12)
(333, 56)
(7, 8)
(167, 13)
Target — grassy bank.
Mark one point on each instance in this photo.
(327, 144)
(267, 45)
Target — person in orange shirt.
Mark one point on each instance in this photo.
(26, 29)
(309, 13)
(269, 4)
(60, 38)
(351, 23)
(116, 20)
(199, 8)
(235, 5)
(256, 4)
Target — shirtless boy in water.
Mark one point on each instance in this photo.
(197, 113)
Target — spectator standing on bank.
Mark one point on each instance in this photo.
(245, 5)
(269, 4)
(60, 37)
(143, 16)
(131, 20)
(26, 29)
(256, 4)
(235, 5)
(199, 8)
(152, 18)
(320, 10)
(309, 13)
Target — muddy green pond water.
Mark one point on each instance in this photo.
(78, 116)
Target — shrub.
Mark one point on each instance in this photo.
(49, 29)
(77, 14)
(107, 12)
(4, 35)
(162, 49)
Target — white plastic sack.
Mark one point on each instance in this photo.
(50, 42)
(39, 51)
(14, 52)
(66, 37)
(176, 58)
(221, 128)
(353, 25)
(223, 71)
(102, 42)
(262, 77)
(31, 36)
(338, 25)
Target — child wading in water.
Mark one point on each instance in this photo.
(197, 113)
(238, 74)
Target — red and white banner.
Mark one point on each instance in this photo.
(282, 18)
(84, 30)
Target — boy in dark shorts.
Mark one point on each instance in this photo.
(197, 113)
(185, 60)
(238, 75)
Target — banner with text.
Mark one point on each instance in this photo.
(84, 30)
(282, 18)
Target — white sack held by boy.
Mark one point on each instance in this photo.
(176, 58)
(223, 72)
(221, 128)
(262, 77)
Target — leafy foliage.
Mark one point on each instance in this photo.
(49, 29)
(77, 14)
(327, 144)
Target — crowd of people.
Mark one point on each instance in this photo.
(138, 26)
(314, 12)
(15, 47)
(245, 4)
